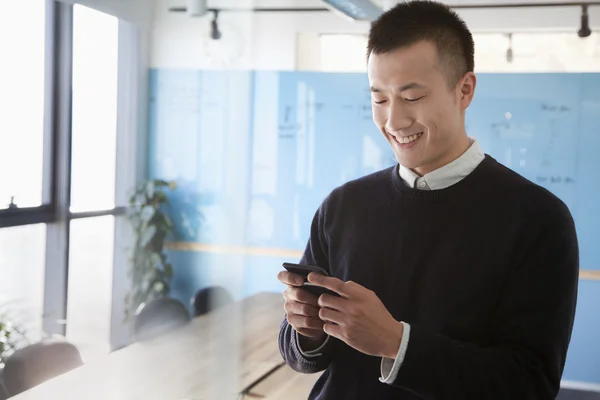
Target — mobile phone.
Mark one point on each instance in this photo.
(304, 270)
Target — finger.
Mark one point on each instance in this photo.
(300, 322)
(333, 330)
(301, 296)
(334, 316)
(335, 302)
(311, 333)
(303, 309)
(290, 278)
(328, 282)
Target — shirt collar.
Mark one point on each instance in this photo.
(449, 174)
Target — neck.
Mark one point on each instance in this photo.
(456, 151)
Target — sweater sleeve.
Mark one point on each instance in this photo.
(290, 350)
(315, 254)
(531, 331)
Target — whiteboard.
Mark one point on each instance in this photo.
(255, 152)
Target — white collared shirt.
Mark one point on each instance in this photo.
(447, 175)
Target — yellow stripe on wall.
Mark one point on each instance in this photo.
(228, 249)
(585, 274)
(590, 275)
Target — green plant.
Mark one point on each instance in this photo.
(150, 271)
(11, 338)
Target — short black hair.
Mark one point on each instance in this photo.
(422, 20)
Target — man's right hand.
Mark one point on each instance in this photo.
(302, 310)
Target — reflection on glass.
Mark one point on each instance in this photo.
(22, 102)
(90, 285)
(95, 65)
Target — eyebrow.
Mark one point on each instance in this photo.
(403, 88)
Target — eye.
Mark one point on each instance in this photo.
(413, 100)
(379, 102)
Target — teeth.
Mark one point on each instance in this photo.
(409, 139)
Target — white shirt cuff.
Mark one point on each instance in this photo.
(311, 353)
(389, 367)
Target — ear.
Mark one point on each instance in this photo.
(467, 89)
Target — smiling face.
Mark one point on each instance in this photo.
(416, 110)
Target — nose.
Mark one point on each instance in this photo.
(399, 117)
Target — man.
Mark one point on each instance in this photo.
(457, 278)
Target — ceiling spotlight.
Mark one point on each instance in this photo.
(197, 8)
(215, 33)
(585, 30)
(509, 52)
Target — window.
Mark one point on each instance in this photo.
(25, 154)
(94, 128)
(58, 162)
(22, 262)
(537, 52)
(91, 257)
(532, 52)
(93, 181)
(343, 53)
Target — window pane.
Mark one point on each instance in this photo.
(90, 285)
(22, 102)
(22, 264)
(531, 52)
(343, 53)
(537, 52)
(95, 59)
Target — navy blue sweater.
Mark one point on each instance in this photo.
(484, 271)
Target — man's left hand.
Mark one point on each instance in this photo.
(358, 317)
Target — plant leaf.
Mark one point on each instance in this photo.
(158, 286)
(147, 235)
(147, 213)
(161, 183)
(160, 197)
(149, 189)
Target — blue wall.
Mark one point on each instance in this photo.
(254, 154)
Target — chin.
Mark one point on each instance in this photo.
(407, 162)
(413, 156)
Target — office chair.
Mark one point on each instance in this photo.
(210, 298)
(3, 393)
(159, 316)
(37, 363)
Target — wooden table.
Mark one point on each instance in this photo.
(284, 384)
(214, 357)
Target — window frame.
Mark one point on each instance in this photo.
(133, 50)
(56, 183)
(45, 213)
(58, 231)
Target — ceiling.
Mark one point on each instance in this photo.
(382, 3)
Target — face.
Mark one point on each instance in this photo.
(415, 109)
